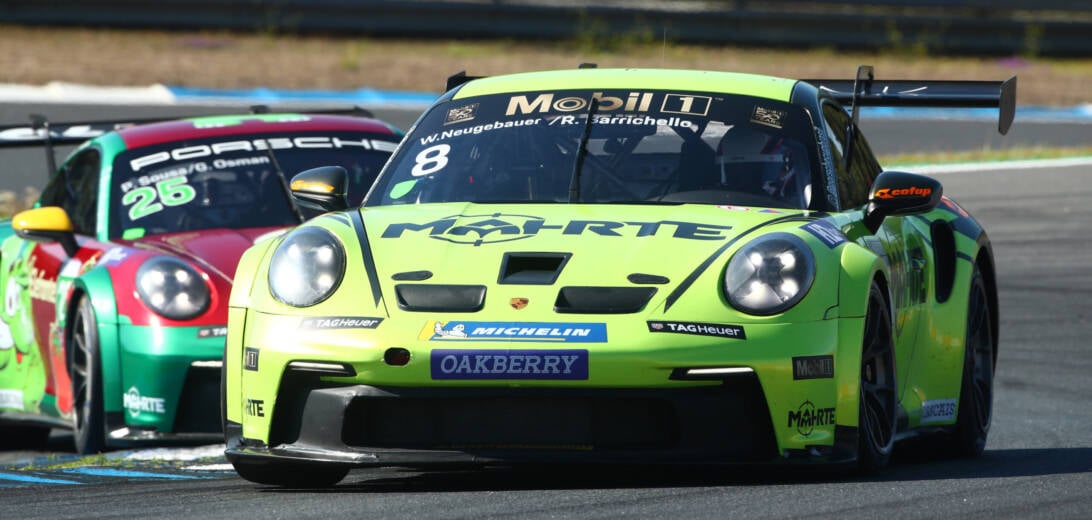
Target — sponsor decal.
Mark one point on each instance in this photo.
(498, 227)
(212, 332)
(250, 358)
(688, 104)
(938, 410)
(461, 114)
(913, 191)
(255, 407)
(510, 364)
(203, 151)
(113, 256)
(769, 117)
(340, 322)
(826, 232)
(41, 288)
(518, 303)
(137, 404)
(733, 208)
(515, 331)
(543, 103)
(813, 367)
(11, 399)
(698, 329)
(807, 417)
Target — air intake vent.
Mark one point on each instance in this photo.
(602, 300)
(440, 298)
(532, 268)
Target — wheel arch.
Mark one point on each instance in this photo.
(97, 285)
(984, 262)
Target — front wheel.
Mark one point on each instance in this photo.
(876, 420)
(291, 474)
(86, 370)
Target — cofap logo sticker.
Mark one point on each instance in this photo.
(510, 364)
(514, 331)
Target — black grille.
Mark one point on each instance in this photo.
(508, 422)
(198, 411)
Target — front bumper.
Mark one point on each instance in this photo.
(365, 426)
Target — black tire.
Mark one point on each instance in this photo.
(876, 420)
(291, 474)
(86, 371)
(968, 438)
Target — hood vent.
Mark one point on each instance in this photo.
(602, 300)
(440, 298)
(532, 268)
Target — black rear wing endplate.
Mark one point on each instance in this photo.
(865, 91)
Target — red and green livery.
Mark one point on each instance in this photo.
(115, 285)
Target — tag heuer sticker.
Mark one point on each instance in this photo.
(461, 114)
(768, 117)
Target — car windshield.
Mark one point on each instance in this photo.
(231, 181)
(641, 147)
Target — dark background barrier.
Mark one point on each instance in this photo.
(992, 27)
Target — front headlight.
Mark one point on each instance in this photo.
(172, 288)
(770, 274)
(307, 267)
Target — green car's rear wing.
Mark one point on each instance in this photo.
(865, 91)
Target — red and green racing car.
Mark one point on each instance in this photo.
(115, 285)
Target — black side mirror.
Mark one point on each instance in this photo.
(900, 193)
(323, 188)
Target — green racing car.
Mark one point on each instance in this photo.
(620, 266)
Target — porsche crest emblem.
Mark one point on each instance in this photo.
(518, 303)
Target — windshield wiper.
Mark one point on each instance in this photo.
(574, 183)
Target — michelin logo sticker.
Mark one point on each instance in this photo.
(514, 331)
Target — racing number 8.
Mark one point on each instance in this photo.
(431, 160)
(172, 192)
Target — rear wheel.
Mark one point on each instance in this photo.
(876, 421)
(86, 374)
(968, 439)
(291, 474)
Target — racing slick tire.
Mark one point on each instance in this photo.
(968, 438)
(86, 370)
(290, 474)
(876, 421)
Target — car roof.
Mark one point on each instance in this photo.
(246, 124)
(633, 79)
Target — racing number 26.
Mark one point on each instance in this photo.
(170, 192)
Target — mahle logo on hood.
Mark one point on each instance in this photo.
(499, 227)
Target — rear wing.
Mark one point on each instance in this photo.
(865, 91)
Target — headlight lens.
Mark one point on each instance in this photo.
(307, 267)
(172, 288)
(770, 274)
